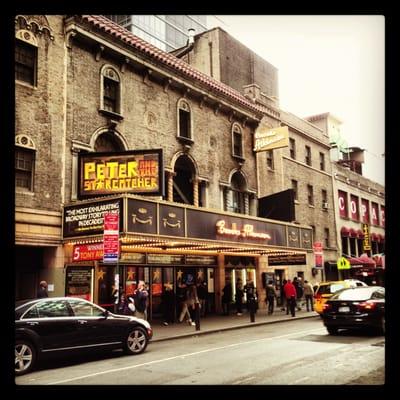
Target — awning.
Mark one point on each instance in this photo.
(361, 261)
(381, 238)
(345, 231)
(353, 233)
(374, 237)
(360, 234)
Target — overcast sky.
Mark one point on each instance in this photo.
(326, 63)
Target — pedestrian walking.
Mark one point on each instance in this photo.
(290, 294)
(283, 297)
(123, 305)
(168, 304)
(202, 293)
(309, 295)
(251, 298)
(239, 294)
(270, 296)
(190, 303)
(141, 295)
(226, 297)
(42, 291)
(299, 291)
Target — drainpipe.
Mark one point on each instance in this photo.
(190, 44)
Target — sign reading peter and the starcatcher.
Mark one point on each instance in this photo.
(136, 171)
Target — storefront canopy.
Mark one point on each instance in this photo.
(361, 261)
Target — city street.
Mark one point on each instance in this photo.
(288, 353)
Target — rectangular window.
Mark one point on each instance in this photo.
(292, 147)
(270, 159)
(324, 196)
(326, 237)
(308, 155)
(322, 161)
(237, 144)
(294, 187)
(345, 245)
(310, 195)
(24, 162)
(25, 62)
(110, 95)
(184, 124)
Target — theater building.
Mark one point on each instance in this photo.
(108, 123)
(360, 214)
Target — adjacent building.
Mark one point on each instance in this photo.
(167, 32)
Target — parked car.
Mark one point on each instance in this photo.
(359, 307)
(55, 325)
(325, 290)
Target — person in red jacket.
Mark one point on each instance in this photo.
(290, 294)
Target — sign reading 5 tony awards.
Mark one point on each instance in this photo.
(136, 171)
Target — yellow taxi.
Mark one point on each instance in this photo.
(324, 290)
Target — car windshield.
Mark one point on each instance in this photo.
(360, 293)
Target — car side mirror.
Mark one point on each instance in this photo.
(106, 313)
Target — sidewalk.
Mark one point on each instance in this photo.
(216, 323)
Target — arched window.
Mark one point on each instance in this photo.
(237, 141)
(110, 91)
(108, 142)
(184, 128)
(236, 198)
(25, 152)
(183, 188)
(26, 53)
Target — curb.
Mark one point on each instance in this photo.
(221, 329)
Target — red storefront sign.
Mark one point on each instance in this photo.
(342, 196)
(355, 215)
(383, 216)
(365, 211)
(375, 214)
(87, 252)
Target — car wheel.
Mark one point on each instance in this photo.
(331, 330)
(136, 341)
(25, 357)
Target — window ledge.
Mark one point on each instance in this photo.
(26, 84)
(185, 140)
(111, 114)
(24, 192)
(239, 158)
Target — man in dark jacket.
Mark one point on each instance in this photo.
(226, 297)
(270, 296)
(42, 291)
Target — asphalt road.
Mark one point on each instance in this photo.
(288, 353)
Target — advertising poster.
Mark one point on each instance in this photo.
(79, 282)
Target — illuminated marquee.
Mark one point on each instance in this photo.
(138, 172)
(246, 232)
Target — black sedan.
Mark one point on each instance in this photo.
(56, 325)
(358, 307)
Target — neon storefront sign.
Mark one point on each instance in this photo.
(246, 232)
